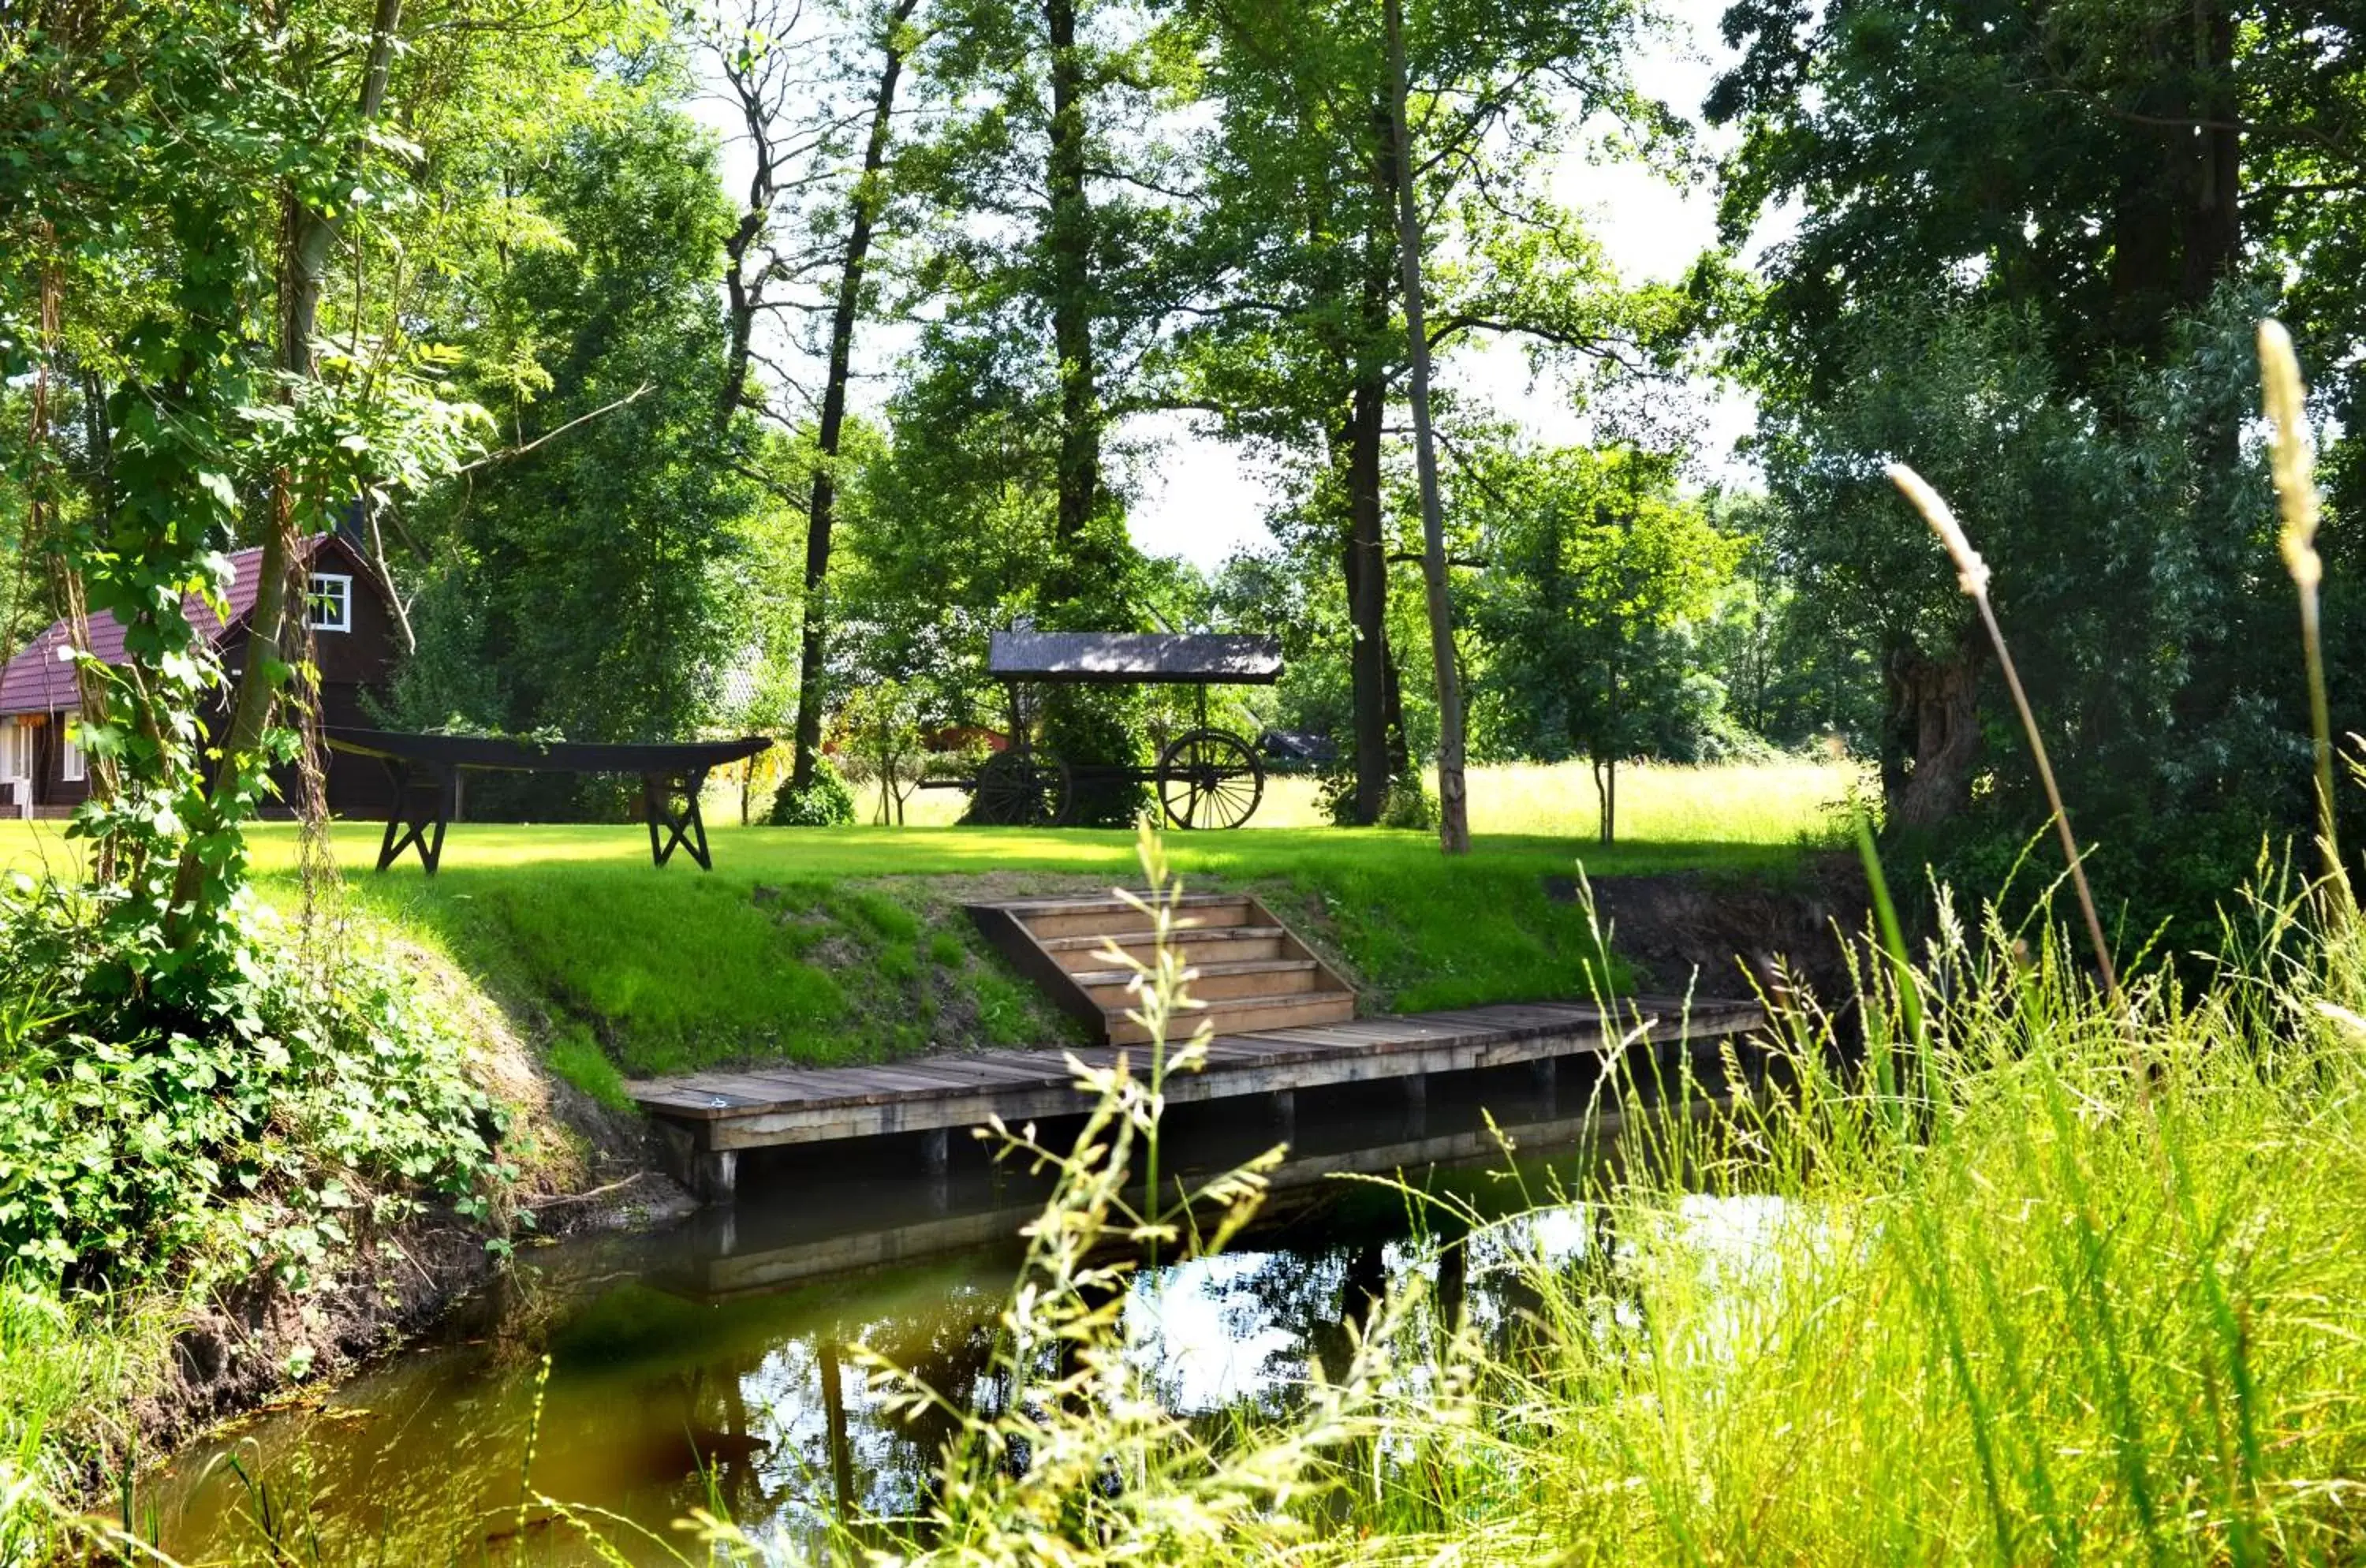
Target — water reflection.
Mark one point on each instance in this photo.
(709, 1367)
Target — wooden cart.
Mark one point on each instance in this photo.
(1205, 777)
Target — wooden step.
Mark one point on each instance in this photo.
(1223, 944)
(1251, 971)
(1240, 1015)
(1249, 977)
(1102, 917)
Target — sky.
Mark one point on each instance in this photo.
(1199, 498)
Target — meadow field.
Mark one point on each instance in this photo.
(1751, 803)
(1667, 816)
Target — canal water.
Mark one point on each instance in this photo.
(634, 1379)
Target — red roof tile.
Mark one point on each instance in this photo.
(38, 680)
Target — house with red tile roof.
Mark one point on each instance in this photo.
(42, 770)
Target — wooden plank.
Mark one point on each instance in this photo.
(1245, 1014)
(758, 1090)
(1048, 1064)
(1479, 1019)
(1014, 1072)
(1301, 1038)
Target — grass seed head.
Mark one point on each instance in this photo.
(1971, 571)
(2287, 407)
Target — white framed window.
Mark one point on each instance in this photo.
(328, 603)
(70, 759)
(16, 750)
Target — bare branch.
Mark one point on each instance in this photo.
(507, 453)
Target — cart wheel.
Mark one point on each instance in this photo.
(1022, 790)
(1210, 779)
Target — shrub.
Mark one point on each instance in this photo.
(1408, 802)
(268, 1132)
(825, 803)
(1408, 805)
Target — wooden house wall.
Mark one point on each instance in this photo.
(350, 662)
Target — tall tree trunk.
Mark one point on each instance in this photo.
(1454, 816)
(306, 235)
(740, 303)
(1371, 670)
(2213, 227)
(814, 629)
(1368, 592)
(1069, 238)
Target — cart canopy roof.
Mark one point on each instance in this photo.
(1196, 658)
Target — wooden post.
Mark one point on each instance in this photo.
(936, 1158)
(1545, 1075)
(1416, 1095)
(715, 1175)
(711, 1176)
(1283, 1113)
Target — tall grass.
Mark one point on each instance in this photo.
(2013, 1313)
(2009, 1305)
(69, 1371)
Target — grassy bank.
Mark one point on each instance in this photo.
(849, 944)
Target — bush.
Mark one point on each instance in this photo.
(825, 803)
(301, 1110)
(1093, 729)
(1407, 805)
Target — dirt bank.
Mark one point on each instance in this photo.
(1720, 936)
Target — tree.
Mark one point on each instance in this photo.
(1303, 346)
(1598, 575)
(2029, 240)
(597, 569)
(243, 387)
(846, 196)
(1049, 271)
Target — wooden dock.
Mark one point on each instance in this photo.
(706, 1119)
(779, 1247)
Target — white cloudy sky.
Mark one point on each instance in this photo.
(1197, 498)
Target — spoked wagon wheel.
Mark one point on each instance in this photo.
(1210, 779)
(1018, 789)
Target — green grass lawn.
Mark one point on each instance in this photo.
(849, 944)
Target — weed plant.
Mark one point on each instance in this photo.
(150, 1160)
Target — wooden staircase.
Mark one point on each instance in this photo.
(1252, 973)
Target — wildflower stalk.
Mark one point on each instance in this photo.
(2286, 399)
(1972, 575)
